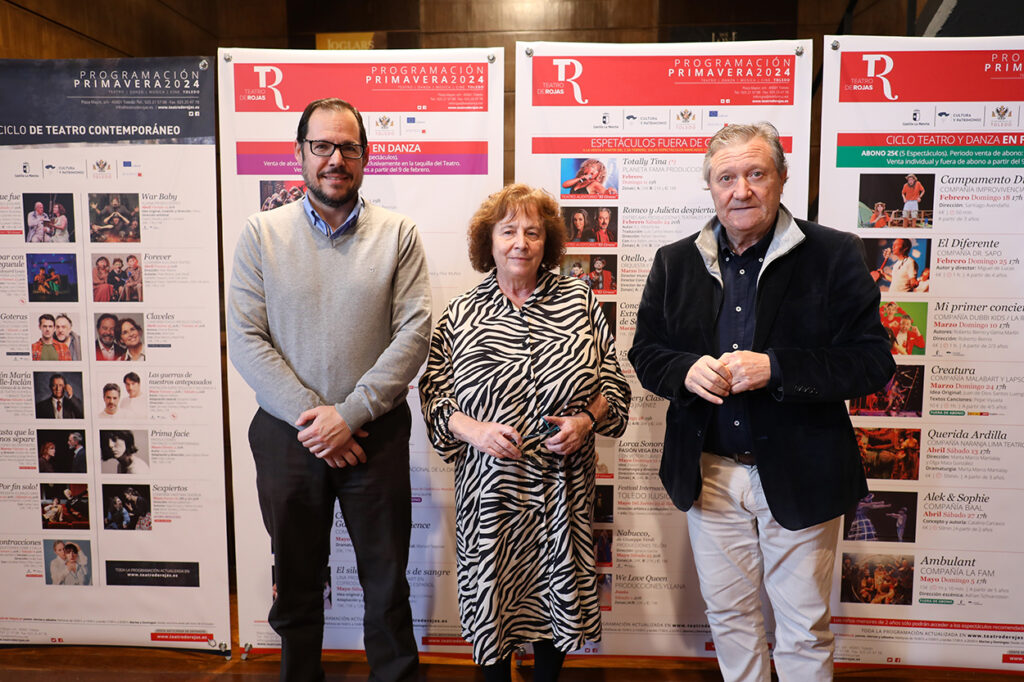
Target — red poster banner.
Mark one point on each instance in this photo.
(932, 76)
(663, 80)
(630, 145)
(427, 86)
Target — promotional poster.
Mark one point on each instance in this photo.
(618, 134)
(923, 158)
(111, 446)
(434, 125)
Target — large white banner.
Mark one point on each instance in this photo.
(923, 157)
(618, 133)
(434, 123)
(112, 505)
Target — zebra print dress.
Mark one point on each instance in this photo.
(524, 547)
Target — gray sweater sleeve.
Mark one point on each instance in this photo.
(253, 353)
(386, 383)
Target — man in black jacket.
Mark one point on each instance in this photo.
(756, 329)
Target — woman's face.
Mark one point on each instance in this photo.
(49, 450)
(517, 244)
(578, 221)
(130, 334)
(117, 446)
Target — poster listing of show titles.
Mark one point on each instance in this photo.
(928, 169)
(111, 454)
(618, 135)
(434, 124)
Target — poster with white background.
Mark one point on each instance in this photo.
(112, 497)
(923, 158)
(618, 133)
(434, 124)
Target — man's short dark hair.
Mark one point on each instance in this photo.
(131, 376)
(334, 104)
(111, 387)
(105, 316)
(47, 316)
(54, 377)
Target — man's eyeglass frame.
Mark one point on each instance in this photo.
(347, 149)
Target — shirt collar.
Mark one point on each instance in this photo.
(322, 225)
(758, 250)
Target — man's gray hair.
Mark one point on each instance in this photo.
(743, 132)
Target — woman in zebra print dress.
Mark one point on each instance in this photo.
(520, 354)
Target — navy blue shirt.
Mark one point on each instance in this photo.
(729, 432)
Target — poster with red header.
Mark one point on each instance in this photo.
(923, 158)
(618, 134)
(434, 125)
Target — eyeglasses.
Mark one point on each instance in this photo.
(349, 150)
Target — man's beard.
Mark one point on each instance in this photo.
(329, 201)
(312, 187)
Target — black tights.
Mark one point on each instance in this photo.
(547, 663)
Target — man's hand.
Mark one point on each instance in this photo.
(749, 370)
(709, 379)
(330, 438)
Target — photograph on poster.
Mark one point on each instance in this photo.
(274, 193)
(120, 338)
(57, 395)
(903, 396)
(882, 516)
(593, 178)
(126, 507)
(67, 561)
(114, 218)
(899, 265)
(49, 218)
(890, 454)
(608, 308)
(61, 451)
(124, 451)
(591, 225)
(64, 505)
(52, 277)
(47, 348)
(896, 200)
(603, 546)
(116, 278)
(877, 578)
(604, 591)
(65, 324)
(597, 270)
(121, 396)
(604, 503)
(906, 324)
